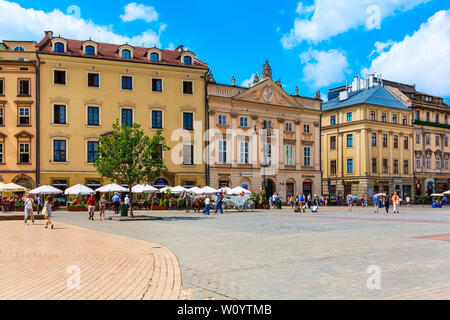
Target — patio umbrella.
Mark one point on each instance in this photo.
(194, 190)
(447, 193)
(47, 190)
(144, 188)
(239, 190)
(208, 190)
(79, 189)
(178, 189)
(111, 188)
(12, 187)
(225, 190)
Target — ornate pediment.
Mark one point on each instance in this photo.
(268, 92)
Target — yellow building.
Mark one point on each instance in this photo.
(86, 86)
(18, 113)
(367, 143)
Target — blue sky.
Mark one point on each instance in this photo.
(314, 45)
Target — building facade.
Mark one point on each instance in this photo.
(18, 113)
(367, 142)
(263, 137)
(431, 138)
(86, 86)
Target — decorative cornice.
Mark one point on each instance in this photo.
(59, 99)
(127, 104)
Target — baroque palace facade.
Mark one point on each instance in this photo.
(262, 137)
(86, 86)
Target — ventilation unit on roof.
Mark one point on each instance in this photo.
(343, 95)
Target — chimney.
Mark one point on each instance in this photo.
(233, 81)
(296, 91)
(49, 34)
(180, 48)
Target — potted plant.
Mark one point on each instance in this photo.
(180, 203)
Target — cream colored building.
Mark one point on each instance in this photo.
(18, 113)
(243, 153)
(86, 86)
(367, 142)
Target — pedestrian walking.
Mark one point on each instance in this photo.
(350, 202)
(47, 211)
(127, 203)
(116, 200)
(302, 203)
(28, 209)
(91, 206)
(376, 202)
(102, 207)
(207, 206)
(387, 202)
(40, 204)
(408, 201)
(219, 204)
(188, 199)
(396, 202)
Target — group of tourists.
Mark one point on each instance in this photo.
(302, 202)
(385, 200)
(44, 207)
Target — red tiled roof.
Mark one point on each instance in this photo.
(111, 51)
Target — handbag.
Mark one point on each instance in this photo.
(44, 212)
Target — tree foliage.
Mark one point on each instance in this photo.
(128, 156)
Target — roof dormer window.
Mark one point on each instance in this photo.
(187, 60)
(126, 54)
(154, 54)
(154, 57)
(59, 47)
(19, 49)
(89, 51)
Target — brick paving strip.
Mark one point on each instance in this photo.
(35, 262)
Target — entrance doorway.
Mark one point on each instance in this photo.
(270, 188)
(307, 188)
(347, 190)
(290, 189)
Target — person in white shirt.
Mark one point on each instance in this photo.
(207, 206)
(28, 204)
(408, 201)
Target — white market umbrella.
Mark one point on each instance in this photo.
(12, 187)
(447, 193)
(79, 189)
(111, 188)
(226, 190)
(238, 190)
(195, 190)
(144, 188)
(178, 189)
(47, 190)
(208, 190)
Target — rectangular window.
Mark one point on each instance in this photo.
(188, 121)
(406, 167)
(405, 120)
(222, 151)
(333, 120)
(59, 150)
(24, 87)
(243, 122)
(333, 143)
(349, 117)
(374, 139)
(59, 114)
(427, 139)
(349, 141)
(333, 167)
(93, 80)
(289, 155)
(24, 153)
(350, 166)
(417, 116)
(188, 87)
(446, 164)
(288, 127)
(188, 155)
(374, 165)
(307, 156)
(306, 128)
(267, 155)
(2, 87)
(243, 153)
(406, 143)
(418, 162)
(127, 117)
(157, 119)
(2, 153)
(92, 147)
(385, 166)
(2, 116)
(438, 163)
(437, 118)
(428, 117)
(222, 120)
(59, 77)
(383, 117)
(127, 83)
(24, 116)
(428, 162)
(385, 140)
(438, 141)
(394, 118)
(372, 116)
(93, 116)
(417, 138)
(157, 85)
(445, 141)
(395, 166)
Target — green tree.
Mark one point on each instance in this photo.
(128, 156)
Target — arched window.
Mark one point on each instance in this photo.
(59, 47)
(89, 51)
(187, 60)
(19, 49)
(126, 54)
(154, 57)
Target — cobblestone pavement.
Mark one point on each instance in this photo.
(44, 264)
(283, 255)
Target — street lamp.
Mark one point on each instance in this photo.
(265, 125)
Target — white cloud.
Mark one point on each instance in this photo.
(246, 83)
(323, 68)
(327, 18)
(381, 47)
(422, 58)
(135, 11)
(19, 23)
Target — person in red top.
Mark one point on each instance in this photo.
(91, 206)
